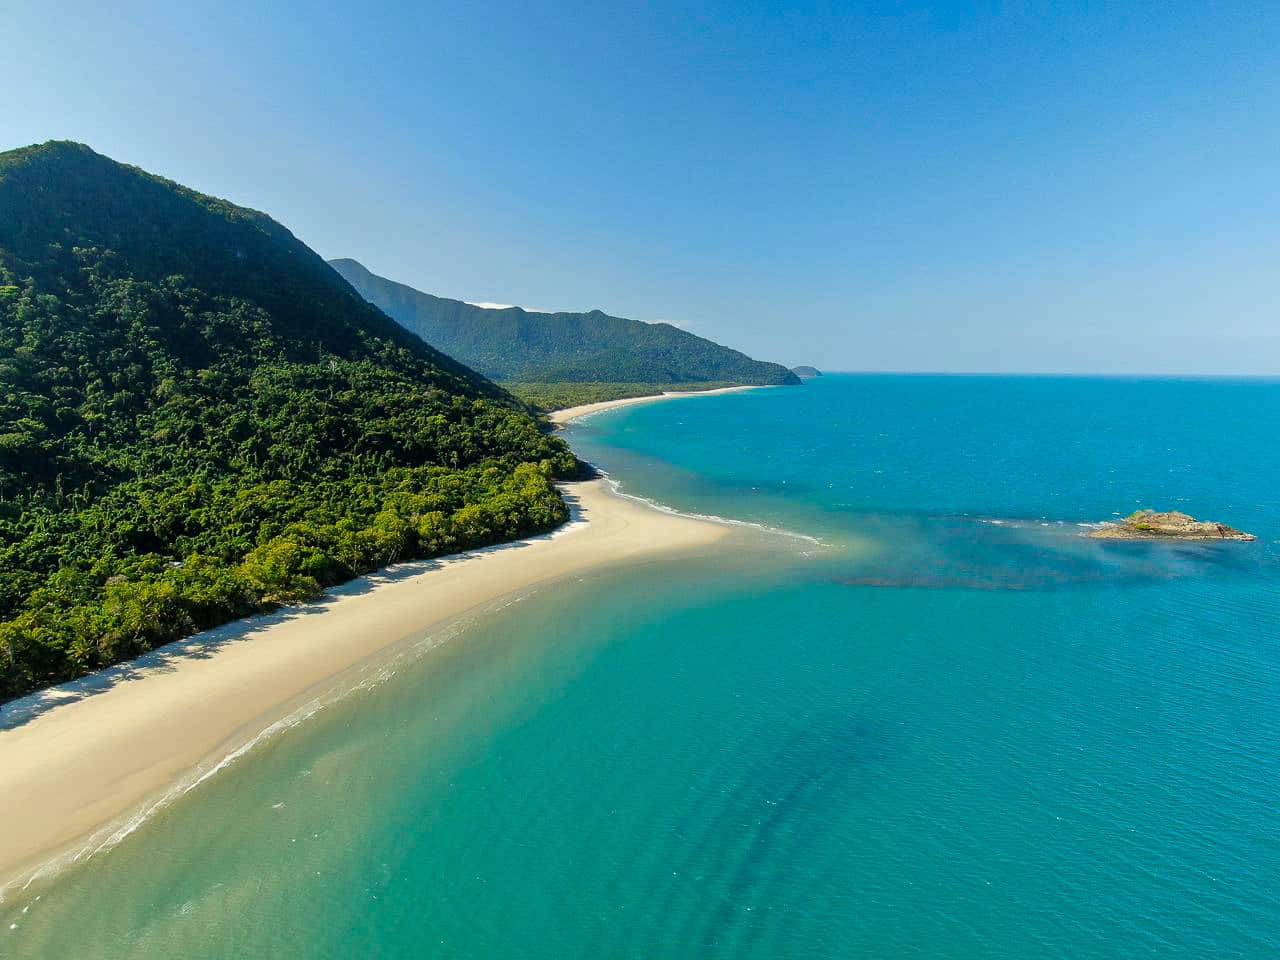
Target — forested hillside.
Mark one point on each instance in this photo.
(522, 346)
(199, 419)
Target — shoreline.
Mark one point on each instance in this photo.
(87, 761)
(563, 416)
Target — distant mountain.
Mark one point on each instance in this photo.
(806, 373)
(519, 345)
(199, 419)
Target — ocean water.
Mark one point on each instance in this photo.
(928, 719)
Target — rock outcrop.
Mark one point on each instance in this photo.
(1171, 525)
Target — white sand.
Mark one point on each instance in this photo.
(562, 417)
(78, 760)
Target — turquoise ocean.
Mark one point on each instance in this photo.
(904, 710)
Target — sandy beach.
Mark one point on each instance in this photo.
(81, 760)
(561, 417)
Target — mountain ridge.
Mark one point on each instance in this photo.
(514, 344)
(79, 163)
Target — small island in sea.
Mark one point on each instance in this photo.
(806, 373)
(1151, 525)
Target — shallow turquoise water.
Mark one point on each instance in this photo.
(955, 729)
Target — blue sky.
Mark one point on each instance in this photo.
(966, 187)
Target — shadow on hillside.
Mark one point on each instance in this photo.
(203, 646)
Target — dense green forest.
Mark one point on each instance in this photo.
(525, 347)
(199, 419)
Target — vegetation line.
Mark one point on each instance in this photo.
(200, 420)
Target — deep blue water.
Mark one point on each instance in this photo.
(953, 728)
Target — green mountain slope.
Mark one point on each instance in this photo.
(517, 345)
(199, 419)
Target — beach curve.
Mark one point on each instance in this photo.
(84, 761)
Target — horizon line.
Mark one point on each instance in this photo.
(1047, 373)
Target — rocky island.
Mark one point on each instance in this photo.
(806, 373)
(1170, 525)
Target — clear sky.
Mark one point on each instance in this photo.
(1000, 187)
